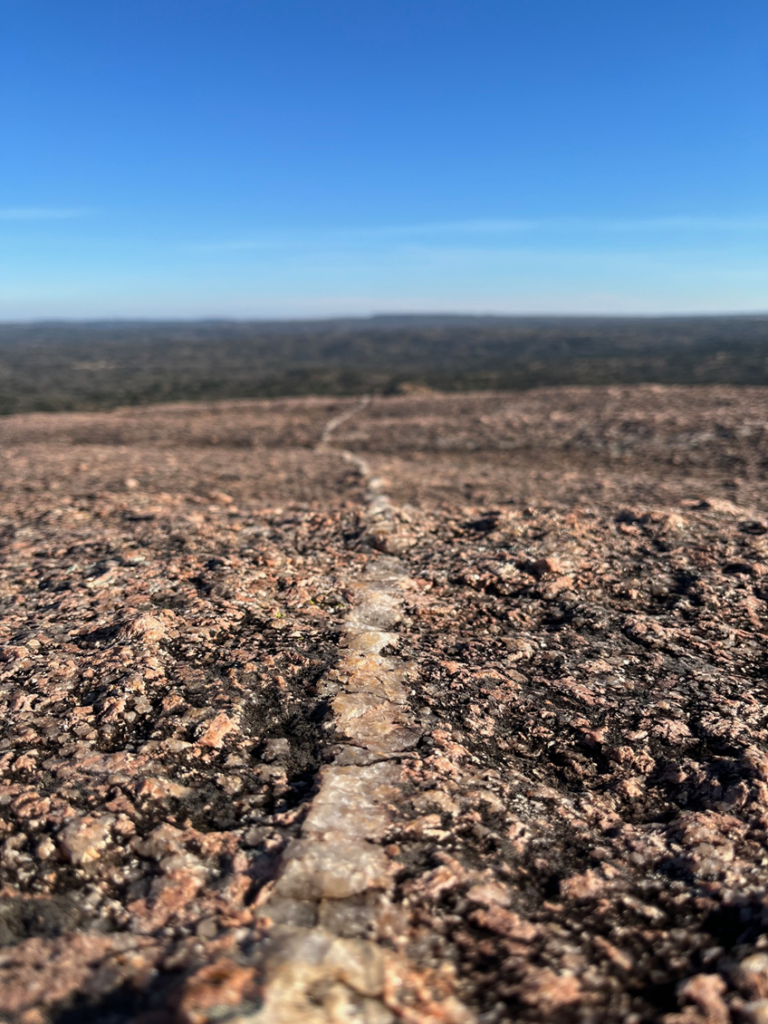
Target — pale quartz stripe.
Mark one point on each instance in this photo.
(337, 878)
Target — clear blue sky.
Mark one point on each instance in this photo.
(321, 157)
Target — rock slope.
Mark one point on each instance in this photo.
(442, 709)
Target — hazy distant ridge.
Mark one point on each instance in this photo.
(101, 364)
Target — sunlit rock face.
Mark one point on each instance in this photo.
(460, 714)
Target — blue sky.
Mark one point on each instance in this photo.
(324, 157)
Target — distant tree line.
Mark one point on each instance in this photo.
(97, 365)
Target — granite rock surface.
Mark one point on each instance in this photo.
(455, 713)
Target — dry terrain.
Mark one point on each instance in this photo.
(435, 709)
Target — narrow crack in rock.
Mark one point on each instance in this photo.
(334, 883)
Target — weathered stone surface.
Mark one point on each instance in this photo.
(84, 839)
(332, 868)
(545, 613)
(374, 609)
(354, 802)
(211, 992)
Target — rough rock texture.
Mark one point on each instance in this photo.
(551, 803)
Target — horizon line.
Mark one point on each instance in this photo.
(214, 318)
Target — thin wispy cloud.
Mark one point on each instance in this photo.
(245, 244)
(43, 212)
(511, 225)
(752, 223)
(489, 226)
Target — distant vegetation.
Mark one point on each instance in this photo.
(58, 366)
